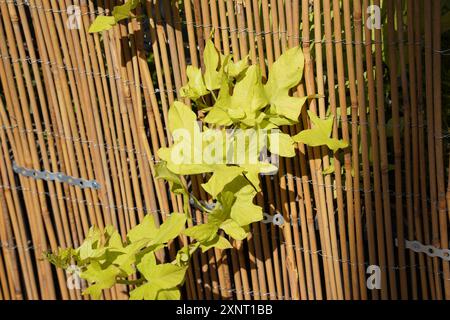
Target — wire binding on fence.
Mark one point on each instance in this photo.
(79, 140)
(26, 3)
(238, 30)
(31, 61)
(282, 296)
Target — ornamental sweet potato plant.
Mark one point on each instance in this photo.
(235, 118)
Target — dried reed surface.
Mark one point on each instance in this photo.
(94, 106)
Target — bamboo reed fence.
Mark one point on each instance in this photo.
(95, 106)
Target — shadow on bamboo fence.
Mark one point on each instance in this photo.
(95, 107)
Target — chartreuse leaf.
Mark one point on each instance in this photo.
(234, 70)
(252, 175)
(148, 262)
(232, 228)
(287, 71)
(169, 294)
(248, 96)
(179, 163)
(281, 143)
(223, 208)
(214, 142)
(234, 210)
(285, 74)
(126, 257)
(170, 229)
(211, 57)
(144, 230)
(218, 114)
(102, 23)
(185, 155)
(226, 200)
(244, 148)
(243, 211)
(176, 185)
(144, 292)
(182, 117)
(336, 144)
(123, 11)
(162, 280)
(62, 258)
(152, 292)
(100, 278)
(166, 276)
(113, 238)
(206, 233)
(202, 232)
(185, 253)
(223, 175)
(252, 172)
(218, 242)
(147, 235)
(320, 134)
(91, 248)
(195, 88)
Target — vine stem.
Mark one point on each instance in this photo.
(200, 205)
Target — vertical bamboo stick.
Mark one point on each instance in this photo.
(413, 84)
(355, 217)
(438, 134)
(435, 241)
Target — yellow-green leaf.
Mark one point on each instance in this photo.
(285, 74)
(202, 232)
(176, 185)
(166, 276)
(125, 258)
(171, 228)
(328, 170)
(320, 134)
(182, 117)
(211, 58)
(243, 211)
(144, 292)
(281, 143)
(169, 294)
(195, 87)
(90, 248)
(102, 23)
(100, 278)
(62, 258)
(148, 261)
(185, 253)
(123, 11)
(219, 113)
(144, 230)
(223, 175)
(218, 242)
(248, 95)
(233, 229)
(234, 70)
